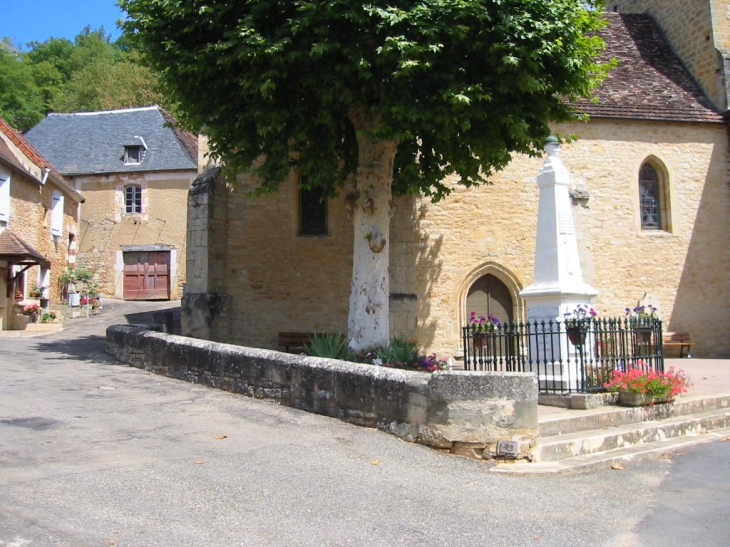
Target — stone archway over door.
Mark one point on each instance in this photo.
(488, 295)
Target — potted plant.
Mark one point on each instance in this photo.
(35, 291)
(75, 280)
(49, 317)
(32, 310)
(642, 319)
(577, 323)
(480, 328)
(637, 387)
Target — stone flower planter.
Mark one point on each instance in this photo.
(631, 398)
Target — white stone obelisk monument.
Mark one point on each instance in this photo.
(558, 286)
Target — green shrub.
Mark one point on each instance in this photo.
(399, 352)
(332, 345)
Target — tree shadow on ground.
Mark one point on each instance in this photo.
(92, 347)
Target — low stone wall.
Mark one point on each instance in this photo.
(478, 414)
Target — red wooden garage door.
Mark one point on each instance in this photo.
(147, 275)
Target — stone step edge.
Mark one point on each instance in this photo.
(615, 416)
(604, 460)
(635, 433)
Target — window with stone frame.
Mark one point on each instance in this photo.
(653, 200)
(312, 209)
(133, 199)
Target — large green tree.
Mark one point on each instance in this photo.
(59, 75)
(91, 73)
(395, 95)
(21, 101)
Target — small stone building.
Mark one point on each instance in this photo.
(134, 169)
(650, 201)
(39, 225)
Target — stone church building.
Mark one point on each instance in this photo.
(650, 198)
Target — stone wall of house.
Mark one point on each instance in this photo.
(30, 219)
(698, 32)
(466, 413)
(105, 228)
(278, 281)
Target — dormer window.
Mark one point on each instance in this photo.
(133, 153)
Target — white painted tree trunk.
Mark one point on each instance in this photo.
(371, 209)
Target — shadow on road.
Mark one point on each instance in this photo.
(91, 346)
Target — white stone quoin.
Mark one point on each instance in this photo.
(558, 285)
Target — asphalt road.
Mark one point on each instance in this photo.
(96, 453)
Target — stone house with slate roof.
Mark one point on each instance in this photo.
(39, 223)
(134, 168)
(650, 199)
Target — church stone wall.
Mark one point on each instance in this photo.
(491, 229)
(278, 281)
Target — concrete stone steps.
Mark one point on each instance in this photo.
(604, 460)
(558, 447)
(609, 435)
(607, 416)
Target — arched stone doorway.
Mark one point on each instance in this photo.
(489, 296)
(491, 288)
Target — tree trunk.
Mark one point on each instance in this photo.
(371, 209)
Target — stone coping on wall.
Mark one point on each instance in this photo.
(484, 415)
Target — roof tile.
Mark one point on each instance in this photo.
(649, 82)
(87, 143)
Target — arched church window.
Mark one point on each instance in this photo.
(653, 199)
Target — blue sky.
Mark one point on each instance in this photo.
(24, 21)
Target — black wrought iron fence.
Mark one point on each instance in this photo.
(567, 356)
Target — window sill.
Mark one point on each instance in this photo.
(656, 233)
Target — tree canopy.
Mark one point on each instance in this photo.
(459, 85)
(59, 75)
(393, 95)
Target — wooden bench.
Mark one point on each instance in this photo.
(678, 339)
(294, 339)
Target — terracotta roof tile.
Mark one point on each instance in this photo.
(31, 153)
(13, 248)
(649, 82)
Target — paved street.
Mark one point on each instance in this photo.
(96, 453)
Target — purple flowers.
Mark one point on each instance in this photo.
(582, 312)
(482, 323)
(642, 312)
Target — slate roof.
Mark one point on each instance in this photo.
(14, 249)
(8, 157)
(86, 143)
(649, 82)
